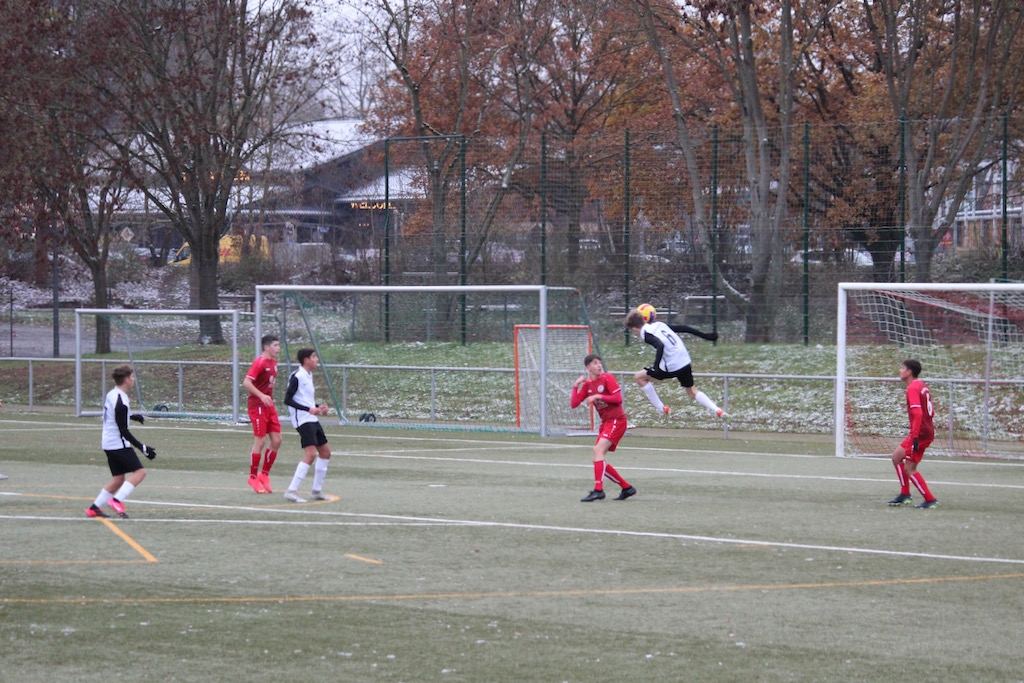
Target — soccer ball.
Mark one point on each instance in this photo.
(646, 312)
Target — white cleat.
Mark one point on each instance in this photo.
(722, 413)
(293, 497)
(318, 495)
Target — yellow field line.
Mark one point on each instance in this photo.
(510, 594)
(363, 559)
(129, 540)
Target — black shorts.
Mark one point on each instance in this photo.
(123, 461)
(311, 434)
(683, 374)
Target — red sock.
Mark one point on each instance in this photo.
(254, 464)
(268, 461)
(599, 475)
(610, 472)
(921, 486)
(901, 474)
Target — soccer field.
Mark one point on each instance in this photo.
(468, 557)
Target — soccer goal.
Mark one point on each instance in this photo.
(969, 339)
(436, 357)
(177, 374)
(567, 346)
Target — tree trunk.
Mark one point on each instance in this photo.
(210, 331)
(99, 283)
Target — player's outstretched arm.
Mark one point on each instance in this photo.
(679, 329)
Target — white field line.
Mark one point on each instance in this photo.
(403, 520)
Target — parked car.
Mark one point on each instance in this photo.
(858, 257)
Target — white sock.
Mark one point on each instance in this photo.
(319, 473)
(652, 396)
(103, 498)
(300, 473)
(703, 399)
(125, 491)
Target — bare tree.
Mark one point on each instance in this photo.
(738, 39)
(203, 86)
(952, 70)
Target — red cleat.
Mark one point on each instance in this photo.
(118, 508)
(93, 511)
(264, 480)
(256, 484)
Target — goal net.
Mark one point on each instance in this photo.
(969, 339)
(566, 347)
(437, 357)
(177, 372)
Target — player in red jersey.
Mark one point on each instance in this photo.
(922, 432)
(259, 382)
(599, 389)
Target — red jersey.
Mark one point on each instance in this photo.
(920, 411)
(609, 406)
(263, 374)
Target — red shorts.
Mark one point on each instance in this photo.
(264, 420)
(908, 443)
(613, 430)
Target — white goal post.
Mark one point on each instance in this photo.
(969, 339)
(401, 322)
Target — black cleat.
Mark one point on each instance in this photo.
(626, 493)
(592, 496)
(933, 503)
(902, 499)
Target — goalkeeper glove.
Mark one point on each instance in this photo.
(149, 451)
(137, 417)
(914, 447)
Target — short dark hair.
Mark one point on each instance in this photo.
(303, 354)
(634, 320)
(268, 339)
(121, 373)
(914, 366)
(590, 358)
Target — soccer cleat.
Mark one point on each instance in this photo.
(256, 484)
(666, 410)
(264, 480)
(118, 507)
(721, 413)
(592, 496)
(934, 502)
(93, 511)
(3, 476)
(626, 493)
(902, 499)
(318, 495)
(293, 497)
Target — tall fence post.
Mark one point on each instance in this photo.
(625, 229)
(807, 232)
(714, 230)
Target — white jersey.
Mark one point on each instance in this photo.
(672, 353)
(300, 397)
(115, 422)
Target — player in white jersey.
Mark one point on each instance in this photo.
(671, 358)
(300, 397)
(117, 441)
